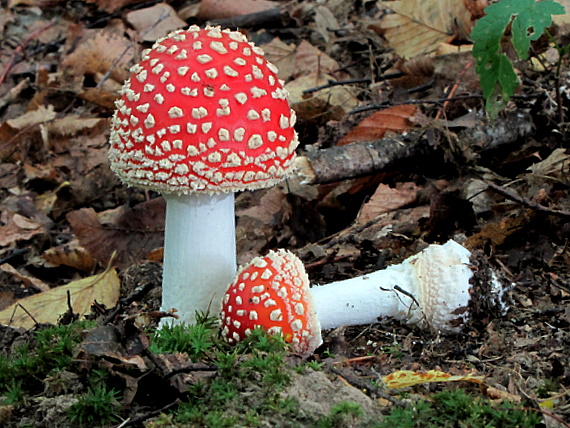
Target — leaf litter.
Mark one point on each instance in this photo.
(357, 73)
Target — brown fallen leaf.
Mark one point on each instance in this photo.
(70, 254)
(113, 5)
(330, 103)
(132, 233)
(19, 228)
(48, 306)
(395, 119)
(154, 22)
(97, 52)
(27, 280)
(294, 61)
(417, 28)
(386, 199)
(218, 9)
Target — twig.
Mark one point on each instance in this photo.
(331, 83)
(440, 101)
(148, 415)
(515, 197)
(454, 88)
(26, 311)
(369, 157)
(365, 386)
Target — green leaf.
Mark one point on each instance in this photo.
(529, 20)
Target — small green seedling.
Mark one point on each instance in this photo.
(97, 406)
(528, 20)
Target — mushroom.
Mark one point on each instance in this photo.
(432, 288)
(202, 116)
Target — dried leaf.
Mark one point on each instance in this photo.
(27, 280)
(34, 117)
(132, 234)
(417, 28)
(19, 228)
(394, 119)
(386, 199)
(497, 394)
(557, 162)
(113, 5)
(71, 254)
(48, 306)
(405, 378)
(154, 22)
(218, 9)
(72, 124)
(104, 341)
(296, 61)
(100, 51)
(333, 102)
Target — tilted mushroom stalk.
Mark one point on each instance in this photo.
(203, 115)
(433, 288)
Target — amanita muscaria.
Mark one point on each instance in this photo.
(433, 288)
(203, 115)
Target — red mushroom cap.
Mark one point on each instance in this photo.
(272, 292)
(204, 111)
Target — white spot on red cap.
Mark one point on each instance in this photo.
(199, 112)
(175, 112)
(204, 58)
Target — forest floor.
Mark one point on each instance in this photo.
(71, 233)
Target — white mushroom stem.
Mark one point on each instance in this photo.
(199, 253)
(430, 288)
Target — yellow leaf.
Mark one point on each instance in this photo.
(48, 306)
(417, 28)
(405, 378)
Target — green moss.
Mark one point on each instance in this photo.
(458, 408)
(97, 406)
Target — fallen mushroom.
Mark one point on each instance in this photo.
(438, 288)
(203, 115)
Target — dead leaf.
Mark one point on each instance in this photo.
(270, 207)
(496, 233)
(132, 234)
(497, 394)
(330, 103)
(73, 124)
(33, 117)
(386, 199)
(218, 9)
(154, 22)
(48, 306)
(98, 52)
(417, 28)
(113, 5)
(27, 280)
(70, 254)
(19, 228)
(405, 378)
(555, 164)
(395, 119)
(104, 341)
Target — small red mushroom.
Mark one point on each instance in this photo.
(203, 115)
(272, 292)
(433, 288)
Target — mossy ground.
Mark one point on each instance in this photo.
(48, 380)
